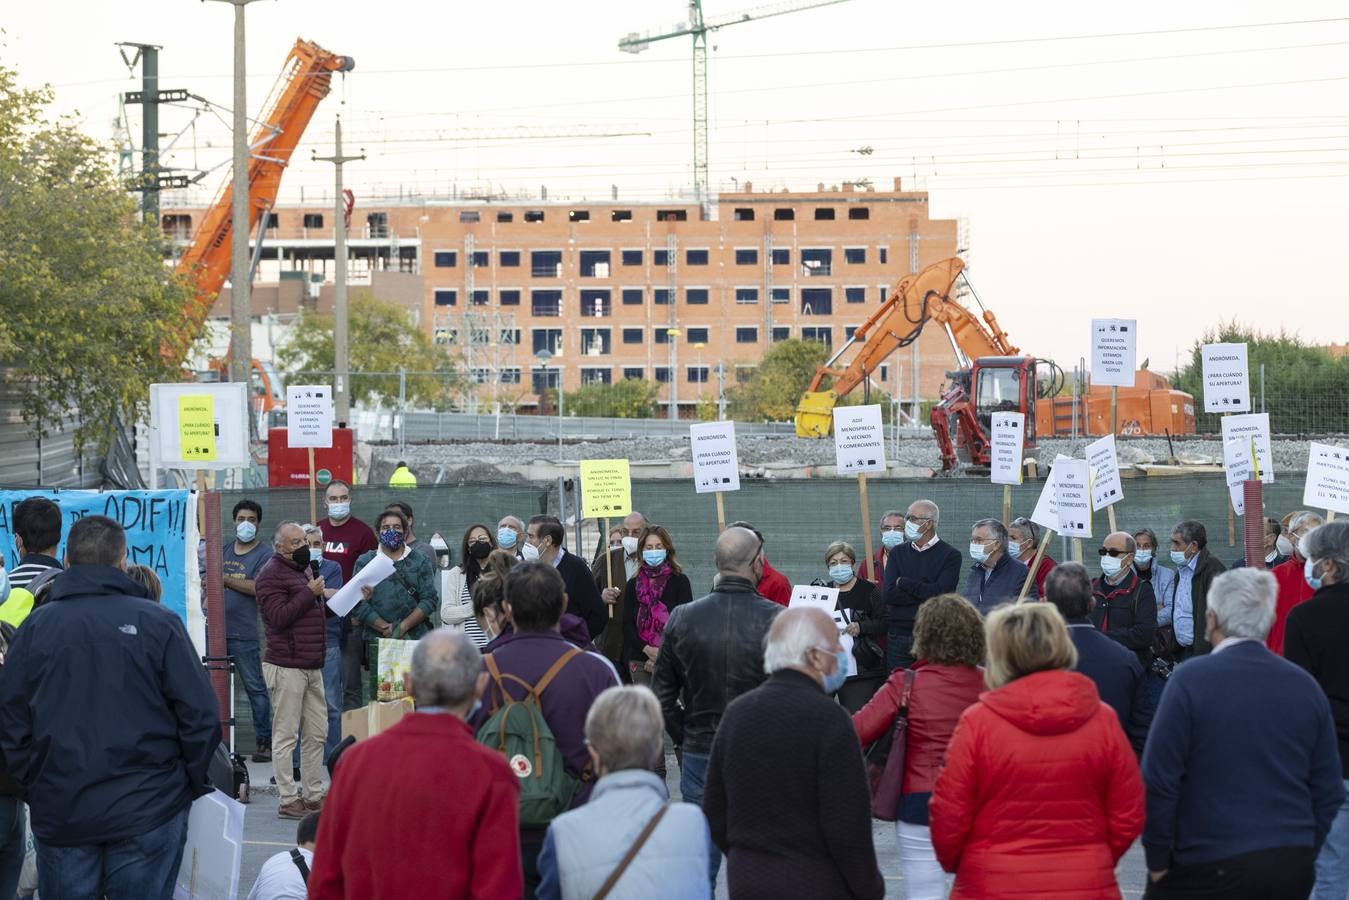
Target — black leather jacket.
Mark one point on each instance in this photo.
(711, 653)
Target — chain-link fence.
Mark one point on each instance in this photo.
(1302, 412)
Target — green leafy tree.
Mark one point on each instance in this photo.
(774, 390)
(626, 399)
(381, 339)
(91, 316)
(1306, 388)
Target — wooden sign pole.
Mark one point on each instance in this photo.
(313, 494)
(1330, 515)
(609, 560)
(1006, 504)
(1077, 550)
(1035, 564)
(866, 527)
(1110, 514)
(721, 513)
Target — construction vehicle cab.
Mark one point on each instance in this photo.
(963, 420)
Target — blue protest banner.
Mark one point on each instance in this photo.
(161, 533)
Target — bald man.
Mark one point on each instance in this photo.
(920, 568)
(1126, 607)
(712, 652)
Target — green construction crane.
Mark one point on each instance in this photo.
(699, 27)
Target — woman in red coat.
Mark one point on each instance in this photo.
(948, 640)
(1041, 794)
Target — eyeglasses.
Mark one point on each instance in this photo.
(920, 518)
(1108, 551)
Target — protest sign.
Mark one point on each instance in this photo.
(1106, 488)
(309, 415)
(1046, 513)
(821, 598)
(841, 622)
(1072, 490)
(196, 427)
(859, 440)
(348, 595)
(1007, 445)
(1252, 431)
(161, 533)
(180, 436)
(1327, 478)
(214, 849)
(1227, 386)
(1114, 348)
(606, 489)
(716, 465)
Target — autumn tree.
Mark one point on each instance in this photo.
(627, 399)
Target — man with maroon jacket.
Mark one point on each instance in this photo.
(290, 598)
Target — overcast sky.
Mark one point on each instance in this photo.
(1146, 160)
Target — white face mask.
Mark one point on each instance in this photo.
(629, 544)
(529, 552)
(1283, 546)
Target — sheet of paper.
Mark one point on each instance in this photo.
(1046, 513)
(196, 427)
(349, 594)
(309, 415)
(213, 850)
(1072, 488)
(716, 463)
(1253, 431)
(847, 640)
(606, 488)
(1006, 446)
(1327, 478)
(1114, 348)
(859, 440)
(1227, 385)
(821, 598)
(1106, 488)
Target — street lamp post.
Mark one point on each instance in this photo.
(673, 335)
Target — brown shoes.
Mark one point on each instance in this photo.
(314, 805)
(295, 809)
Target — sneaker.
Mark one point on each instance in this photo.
(264, 752)
(295, 809)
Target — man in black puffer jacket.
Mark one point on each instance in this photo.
(108, 720)
(711, 653)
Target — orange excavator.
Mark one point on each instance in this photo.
(994, 377)
(305, 80)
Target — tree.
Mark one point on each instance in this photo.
(626, 399)
(382, 339)
(91, 316)
(1306, 388)
(774, 390)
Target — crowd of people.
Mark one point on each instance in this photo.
(1022, 729)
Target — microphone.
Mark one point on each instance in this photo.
(314, 567)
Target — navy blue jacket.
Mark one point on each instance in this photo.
(1241, 758)
(910, 578)
(107, 717)
(1002, 585)
(583, 594)
(1119, 678)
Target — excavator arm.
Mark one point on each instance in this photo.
(918, 298)
(304, 82)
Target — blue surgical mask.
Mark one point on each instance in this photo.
(506, 538)
(1014, 550)
(912, 531)
(833, 682)
(245, 532)
(654, 558)
(339, 510)
(1110, 566)
(892, 539)
(978, 552)
(473, 711)
(841, 573)
(1312, 581)
(1143, 557)
(1178, 557)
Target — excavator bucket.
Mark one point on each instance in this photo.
(815, 414)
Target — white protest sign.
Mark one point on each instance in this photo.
(1327, 478)
(1114, 349)
(841, 623)
(1227, 386)
(1006, 446)
(213, 850)
(1046, 513)
(1239, 464)
(1253, 431)
(1072, 489)
(1106, 488)
(349, 594)
(821, 598)
(859, 440)
(716, 464)
(180, 414)
(309, 415)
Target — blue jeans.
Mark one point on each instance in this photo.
(692, 783)
(12, 834)
(1332, 863)
(139, 868)
(248, 663)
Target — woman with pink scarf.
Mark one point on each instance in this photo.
(658, 587)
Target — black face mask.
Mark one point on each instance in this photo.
(479, 549)
(300, 555)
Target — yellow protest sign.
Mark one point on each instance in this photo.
(606, 489)
(196, 427)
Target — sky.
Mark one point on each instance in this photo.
(1182, 164)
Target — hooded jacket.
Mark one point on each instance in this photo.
(107, 717)
(1040, 796)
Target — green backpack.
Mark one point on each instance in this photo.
(518, 731)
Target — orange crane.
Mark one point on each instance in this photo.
(995, 377)
(305, 80)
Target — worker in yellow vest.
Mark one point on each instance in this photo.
(402, 476)
(15, 603)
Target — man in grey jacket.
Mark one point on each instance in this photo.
(585, 848)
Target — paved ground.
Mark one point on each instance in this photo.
(265, 834)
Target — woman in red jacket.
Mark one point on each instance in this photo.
(1041, 795)
(948, 640)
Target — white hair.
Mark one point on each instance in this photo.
(793, 635)
(932, 509)
(626, 729)
(1242, 601)
(282, 526)
(445, 668)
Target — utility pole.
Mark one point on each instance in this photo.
(149, 97)
(341, 363)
